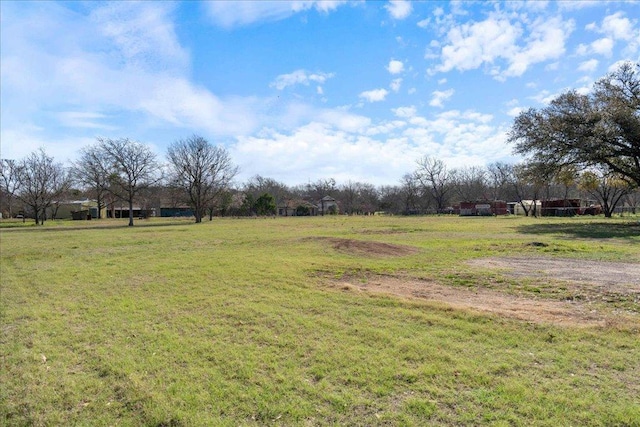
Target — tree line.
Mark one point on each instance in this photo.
(579, 146)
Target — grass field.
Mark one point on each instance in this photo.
(248, 322)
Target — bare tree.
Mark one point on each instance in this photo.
(358, 198)
(203, 171)
(93, 170)
(469, 183)
(411, 192)
(41, 181)
(498, 177)
(434, 178)
(9, 184)
(607, 188)
(258, 185)
(134, 168)
(632, 200)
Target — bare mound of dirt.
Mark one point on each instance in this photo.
(483, 300)
(368, 248)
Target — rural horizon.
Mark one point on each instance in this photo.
(320, 213)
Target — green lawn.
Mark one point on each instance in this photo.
(236, 322)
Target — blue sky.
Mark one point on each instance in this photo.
(304, 90)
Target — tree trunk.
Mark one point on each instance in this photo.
(130, 212)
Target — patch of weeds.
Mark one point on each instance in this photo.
(407, 377)
(467, 280)
(420, 407)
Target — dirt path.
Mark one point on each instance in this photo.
(617, 276)
(593, 281)
(484, 300)
(597, 278)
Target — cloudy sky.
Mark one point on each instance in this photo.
(303, 90)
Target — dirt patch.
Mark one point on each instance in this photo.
(368, 248)
(597, 280)
(617, 276)
(482, 300)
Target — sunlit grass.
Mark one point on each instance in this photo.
(231, 323)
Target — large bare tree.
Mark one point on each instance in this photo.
(135, 168)
(9, 184)
(42, 180)
(93, 170)
(435, 179)
(203, 171)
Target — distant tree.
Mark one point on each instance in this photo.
(390, 199)
(498, 174)
(225, 199)
(202, 170)
(368, 198)
(265, 205)
(567, 178)
(248, 206)
(469, 183)
(258, 185)
(357, 197)
(348, 197)
(134, 167)
(607, 189)
(9, 184)
(302, 210)
(410, 192)
(93, 170)
(321, 188)
(42, 181)
(632, 200)
(524, 182)
(435, 179)
(600, 129)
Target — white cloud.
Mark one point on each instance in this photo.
(317, 151)
(614, 28)
(404, 112)
(439, 96)
(544, 97)
(395, 67)
(142, 33)
(374, 95)
(299, 77)
(424, 23)
(379, 153)
(399, 9)
(619, 27)
(513, 112)
(396, 84)
(84, 119)
(603, 46)
(470, 45)
(230, 14)
(123, 62)
(546, 41)
(588, 66)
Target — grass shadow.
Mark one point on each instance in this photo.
(586, 230)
